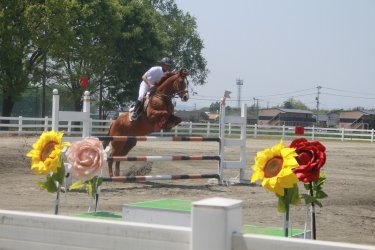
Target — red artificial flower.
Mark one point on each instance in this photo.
(311, 157)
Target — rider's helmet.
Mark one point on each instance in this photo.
(166, 61)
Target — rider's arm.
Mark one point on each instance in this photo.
(145, 79)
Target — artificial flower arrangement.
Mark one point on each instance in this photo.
(280, 168)
(46, 160)
(84, 160)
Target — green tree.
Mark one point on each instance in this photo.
(112, 42)
(14, 51)
(372, 122)
(137, 48)
(215, 107)
(294, 104)
(183, 44)
(86, 46)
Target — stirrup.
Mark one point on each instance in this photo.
(134, 116)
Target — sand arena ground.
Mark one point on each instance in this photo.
(348, 214)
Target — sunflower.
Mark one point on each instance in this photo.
(274, 167)
(46, 153)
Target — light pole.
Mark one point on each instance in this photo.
(239, 83)
(317, 105)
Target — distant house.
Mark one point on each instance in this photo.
(322, 120)
(251, 119)
(357, 119)
(333, 119)
(288, 117)
(213, 117)
(191, 116)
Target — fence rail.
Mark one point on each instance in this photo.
(28, 126)
(215, 224)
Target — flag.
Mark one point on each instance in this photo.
(84, 82)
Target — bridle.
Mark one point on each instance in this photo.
(185, 91)
(181, 93)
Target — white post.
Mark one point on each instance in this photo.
(45, 123)
(255, 130)
(214, 221)
(243, 138)
(190, 128)
(372, 135)
(69, 127)
(221, 144)
(55, 110)
(208, 129)
(342, 134)
(19, 125)
(283, 135)
(313, 133)
(86, 109)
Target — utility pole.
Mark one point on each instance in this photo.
(239, 83)
(256, 106)
(317, 105)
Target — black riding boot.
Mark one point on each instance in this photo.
(137, 110)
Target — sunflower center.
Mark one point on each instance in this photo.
(273, 167)
(47, 150)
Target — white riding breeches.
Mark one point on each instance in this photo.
(143, 88)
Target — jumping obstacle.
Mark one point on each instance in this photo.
(225, 140)
(160, 177)
(71, 116)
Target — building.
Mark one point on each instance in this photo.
(287, 117)
(191, 116)
(357, 119)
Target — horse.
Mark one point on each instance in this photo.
(157, 114)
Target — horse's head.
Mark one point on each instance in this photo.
(172, 84)
(182, 85)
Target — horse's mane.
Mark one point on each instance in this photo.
(164, 78)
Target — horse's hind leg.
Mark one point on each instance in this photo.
(117, 169)
(110, 170)
(125, 150)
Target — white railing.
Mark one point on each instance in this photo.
(215, 224)
(27, 125)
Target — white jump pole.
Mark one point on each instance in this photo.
(86, 109)
(55, 110)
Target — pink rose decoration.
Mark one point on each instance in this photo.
(86, 158)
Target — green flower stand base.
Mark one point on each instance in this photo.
(177, 213)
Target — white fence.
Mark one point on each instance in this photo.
(27, 125)
(215, 224)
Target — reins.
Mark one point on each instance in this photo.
(174, 94)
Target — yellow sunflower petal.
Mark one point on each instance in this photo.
(277, 177)
(45, 155)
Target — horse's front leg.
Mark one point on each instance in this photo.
(110, 170)
(127, 146)
(172, 122)
(157, 115)
(117, 169)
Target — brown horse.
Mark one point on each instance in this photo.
(157, 114)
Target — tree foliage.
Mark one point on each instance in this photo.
(294, 104)
(215, 107)
(14, 53)
(113, 42)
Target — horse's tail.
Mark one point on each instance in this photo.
(106, 143)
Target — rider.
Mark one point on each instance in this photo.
(152, 76)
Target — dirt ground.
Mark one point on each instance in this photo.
(348, 214)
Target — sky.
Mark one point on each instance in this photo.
(283, 49)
